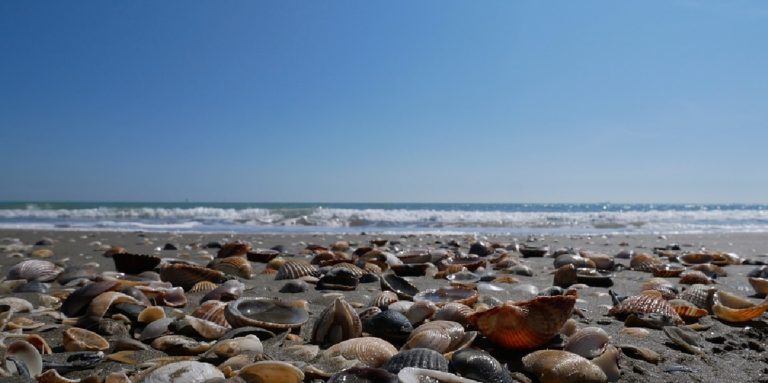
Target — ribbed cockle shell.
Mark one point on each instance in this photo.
(441, 336)
(371, 351)
(649, 301)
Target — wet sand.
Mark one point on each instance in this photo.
(733, 352)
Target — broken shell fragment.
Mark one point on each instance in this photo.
(733, 308)
(23, 358)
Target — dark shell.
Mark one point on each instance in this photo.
(389, 325)
(594, 278)
(33, 287)
(72, 273)
(34, 270)
(411, 269)
(262, 255)
(481, 249)
(415, 256)
(232, 249)
(337, 323)
(364, 375)
(417, 357)
(296, 269)
(479, 365)
(339, 278)
(187, 275)
(355, 270)
(399, 285)
(134, 263)
(78, 301)
(471, 263)
(267, 313)
(294, 286)
(228, 291)
(759, 272)
(534, 251)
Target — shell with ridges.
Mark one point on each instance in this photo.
(203, 287)
(525, 324)
(238, 266)
(699, 295)
(130, 263)
(693, 277)
(648, 302)
(212, 311)
(371, 351)
(383, 299)
(296, 269)
(420, 311)
(644, 262)
(35, 270)
(337, 323)
(101, 304)
(417, 357)
(441, 336)
(187, 275)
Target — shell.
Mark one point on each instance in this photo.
(212, 311)
(420, 375)
(390, 325)
(383, 299)
(181, 372)
(601, 261)
(760, 285)
(608, 362)
(695, 258)
(733, 308)
(479, 365)
(641, 353)
(267, 313)
(368, 313)
(648, 302)
(456, 312)
(355, 271)
(51, 376)
(371, 351)
(588, 342)
(699, 295)
(294, 286)
(179, 345)
(573, 259)
(663, 286)
(534, 251)
(565, 276)
(363, 375)
(199, 328)
(22, 352)
(228, 291)
(687, 310)
(338, 322)
(687, 339)
(525, 324)
(693, 277)
(271, 372)
(238, 346)
(411, 269)
(187, 275)
(449, 294)
(203, 287)
(235, 265)
(101, 304)
(420, 311)
(711, 270)
(338, 278)
(417, 357)
(441, 336)
(399, 285)
(296, 269)
(77, 339)
(644, 262)
(555, 366)
(35, 270)
(471, 263)
(262, 255)
(134, 263)
(667, 271)
(233, 249)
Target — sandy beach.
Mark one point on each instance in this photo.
(731, 351)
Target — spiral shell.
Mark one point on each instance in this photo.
(441, 336)
(525, 324)
(647, 302)
(371, 351)
(187, 275)
(296, 269)
(35, 270)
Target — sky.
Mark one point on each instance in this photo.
(384, 101)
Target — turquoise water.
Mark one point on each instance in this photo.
(512, 218)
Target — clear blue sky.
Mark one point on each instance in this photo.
(444, 101)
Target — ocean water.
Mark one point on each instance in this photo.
(394, 218)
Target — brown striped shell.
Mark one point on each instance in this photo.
(441, 336)
(203, 287)
(371, 351)
(526, 324)
(368, 313)
(695, 258)
(699, 295)
(687, 310)
(693, 277)
(647, 302)
(35, 270)
(711, 269)
(239, 266)
(271, 314)
(733, 308)
(383, 299)
(338, 322)
(644, 262)
(356, 271)
(212, 311)
(296, 269)
(187, 275)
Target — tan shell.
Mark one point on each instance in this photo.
(51, 376)
(212, 311)
(588, 342)
(455, 312)
(663, 286)
(25, 353)
(77, 339)
(203, 287)
(420, 311)
(296, 269)
(760, 285)
(234, 249)
(555, 366)
(357, 272)
(179, 345)
(667, 271)
(236, 265)
(338, 322)
(647, 302)
(34, 270)
(101, 304)
(644, 262)
(39, 343)
(693, 277)
(201, 327)
(371, 351)
(525, 324)
(272, 372)
(711, 269)
(441, 336)
(271, 314)
(383, 299)
(151, 314)
(237, 346)
(696, 258)
(733, 308)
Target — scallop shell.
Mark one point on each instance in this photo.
(203, 287)
(456, 312)
(448, 294)
(417, 357)
(647, 302)
(733, 308)
(212, 311)
(338, 322)
(356, 271)
(238, 266)
(296, 269)
(35, 270)
(368, 313)
(262, 255)
(272, 372)
(228, 291)
(371, 351)
(644, 262)
(588, 342)
(525, 324)
(187, 275)
(665, 287)
(693, 277)
(21, 352)
(77, 339)
(134, 263)
(555, 366)
(667, 271)
(760, 285)
(441, 336)
(267, 313)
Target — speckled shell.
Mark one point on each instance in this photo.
(77, 339)
(296, 269)
(644, 262)
(417, 357)
(35, 270)
(371, 351)
(383, 299)
(733, 308)
(699, 295)
(337, 323)
(441, 336)
(647, 302)
(203, 287)
(239, 266)
(187, 275)
(527, 324)
(270, 314)
(134, 263)
(692, 277)
(212, 311)
(555, 366)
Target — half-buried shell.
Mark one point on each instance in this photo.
(417, 357)
(296, 269)
(271, 314)
(527, 324)
(130, 263)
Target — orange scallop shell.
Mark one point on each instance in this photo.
(528, 324)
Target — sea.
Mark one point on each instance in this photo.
(388, 218)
